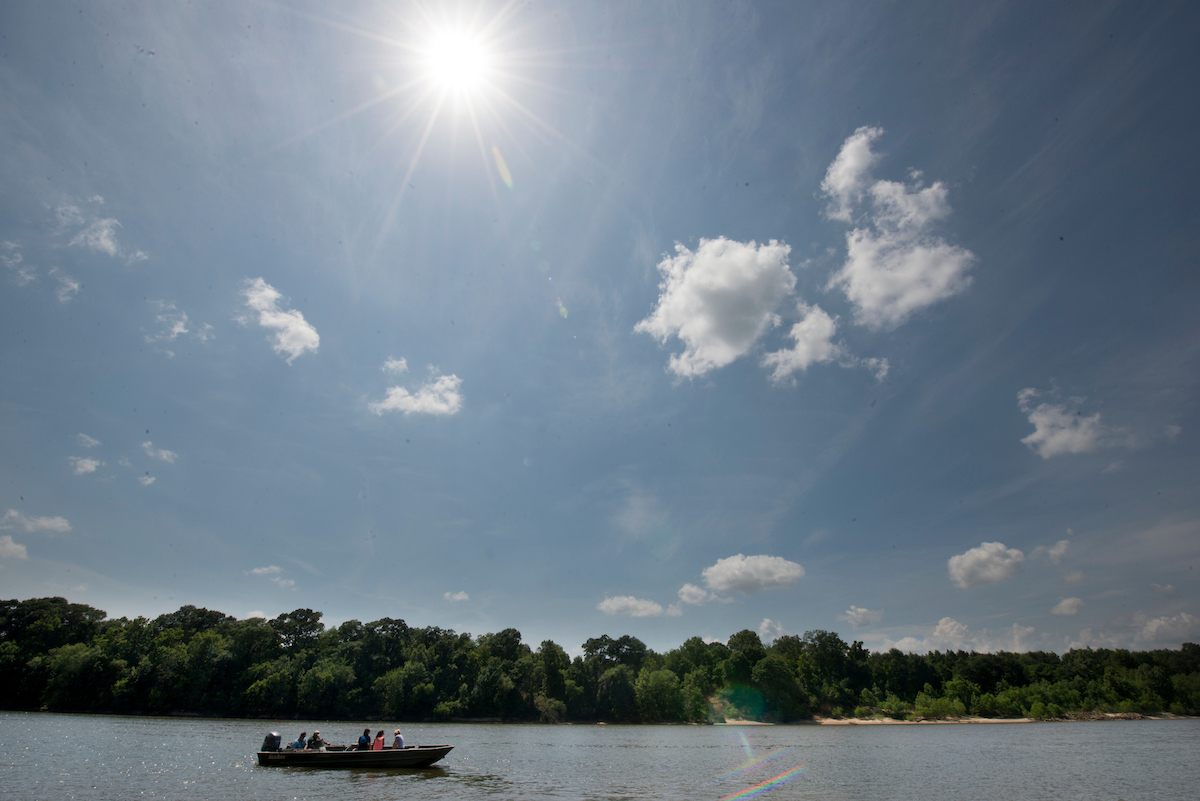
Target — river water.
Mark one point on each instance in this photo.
(64, 757)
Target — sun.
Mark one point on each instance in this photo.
(458, 63)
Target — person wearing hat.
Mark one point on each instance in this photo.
(398, 740)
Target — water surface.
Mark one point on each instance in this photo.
(65, 757)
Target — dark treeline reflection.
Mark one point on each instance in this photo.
(64, 656)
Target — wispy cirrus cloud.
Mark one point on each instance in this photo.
(895, 265)
(55, 524)
(456, 597)
(274, 574)
(160, 454)
(173, 324)
(293, 335)
(13, 259)
(84, 465)
(84, 226)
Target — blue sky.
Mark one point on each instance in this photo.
(607, 318)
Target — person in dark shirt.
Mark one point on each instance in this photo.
(364, 740)
(315, 743)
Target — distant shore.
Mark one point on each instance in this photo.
(974, 720)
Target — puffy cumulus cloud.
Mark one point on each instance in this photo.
(85, 227)
(1058, 428)
(294, 336)
(395, 366)
(751, 573)
(456, 597)
(953, 635)
(987, 563)
(849, 173)
(813, 343)
(1055, 553)
(83, 465)
(1170, 630)
(895, 266)
(1067, 607)
(441, 396)
(12, 550)
(770, 630)
(161, 454)
(630, 606)
(858, 616)
(691, 594)
(55, 524)
(718, 301)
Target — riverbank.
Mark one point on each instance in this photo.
(975, 720)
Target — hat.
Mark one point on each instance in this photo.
(397, 731)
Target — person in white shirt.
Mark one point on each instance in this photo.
(398, 740)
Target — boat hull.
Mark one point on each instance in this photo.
(418, 756)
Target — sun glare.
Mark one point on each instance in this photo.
(458, 62)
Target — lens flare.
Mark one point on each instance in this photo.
(502, 167)
(765, 786)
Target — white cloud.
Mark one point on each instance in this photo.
(145, 479)
(630, 606)
(161, 454)
(858, 616)
(11, 257)
(770, 630)
(294, 336)
(895, 266)
(952, 635)
(12, 550)
(1173, 432)
(456, 597)
(1058, 429)
(174, 323)
(987, 563)
(691, 594)
(812, 343)
(1165, 589)
(395, 366)
(82, 465)
(273, 573)
(55, 524)
(751, 573)
(438, 396)
(89, 230)
(1058, 550)
(67, 287)
(85, 441)
(253, 613)
(847, 177)
(1067, 607)
(718, 301)
(1171, 630)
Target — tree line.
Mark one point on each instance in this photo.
(64, 656)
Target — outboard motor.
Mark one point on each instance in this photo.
(271, 742)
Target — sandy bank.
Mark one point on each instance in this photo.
(894, 722)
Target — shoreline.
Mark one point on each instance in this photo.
(973, 720)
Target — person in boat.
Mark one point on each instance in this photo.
(398, 740)
(364, 740)
(316, 742)
(299, 743)
(378, 744)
